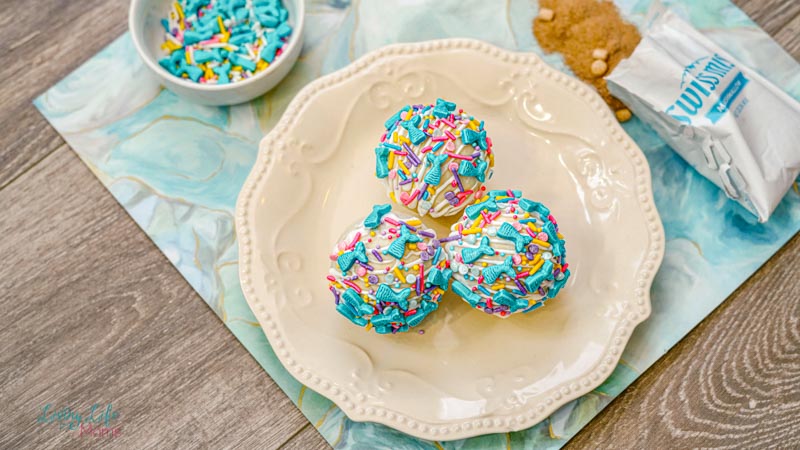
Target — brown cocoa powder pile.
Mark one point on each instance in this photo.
(577, 28)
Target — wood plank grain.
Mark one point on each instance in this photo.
(789, 36)
(733, 382)
(43, 41)
(770, 15)
(308, 438)
(94, 313)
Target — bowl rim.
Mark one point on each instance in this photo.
(155, 67)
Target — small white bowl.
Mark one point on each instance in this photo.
(148, 35)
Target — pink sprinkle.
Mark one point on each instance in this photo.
(391, 221)
(393, 230)
(411, 197)
(522, 275)
(456, 156)
(426, 149)
(355, 240)
(331, 278)
(398, 153)
(438, 138)
(352, 285)
(450, 135)
(383, 138)
(533, 235)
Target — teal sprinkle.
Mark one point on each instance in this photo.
(398, 247)
(470, 255)
(395, 117)
(382, 161)
(374, 218)
(464, 292)
(437, 255)
(492, 273)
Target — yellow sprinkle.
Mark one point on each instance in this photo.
(491, 159)
(221, 25)
(236, 69)
(559, 235)
(414, 222)
(541, 243)
(341, 252)
(431, 191)
(415, 267)
(170, 46)
(499, 286)
(394, 137)
(368, 326)
(180, 16)
(391, 160)
(225, 37)
(409, 113)
(404, 140)
(472, 231)
(537, 266)
(412, 246)
(526, 215)
(261, 65)
(372, 233)
(187, 58)
(399, 275)
(484, 264)
(391, 196)
(533, 227)
(403, 166)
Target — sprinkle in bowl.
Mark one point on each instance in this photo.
(149, 35)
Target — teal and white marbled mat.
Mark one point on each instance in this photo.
(177, 169)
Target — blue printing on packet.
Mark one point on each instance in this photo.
(727, 98)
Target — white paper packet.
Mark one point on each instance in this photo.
(730, 123)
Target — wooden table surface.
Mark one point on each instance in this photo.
(92, 312)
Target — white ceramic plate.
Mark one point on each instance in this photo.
(469, 373)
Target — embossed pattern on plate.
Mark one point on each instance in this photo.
(469, 373)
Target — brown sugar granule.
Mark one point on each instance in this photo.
(577, 29)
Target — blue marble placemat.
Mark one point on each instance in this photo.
(177, 169)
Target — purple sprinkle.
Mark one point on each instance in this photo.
(529, 255)
(410, 227)
(427, 234)
(366, 266)
(423, 187)
(487, 310)
(372, 278)
(406, 181)
(497, 309)
(542, 292)
(418, 286)
(476, 154)
(435, 244)
(454, 237)
(533, 248)
(429, 288)
(521, 287)
(421, 331)
(458, 179)
(335, 295)
(424, 256)
(377, 255)
(379, 306)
